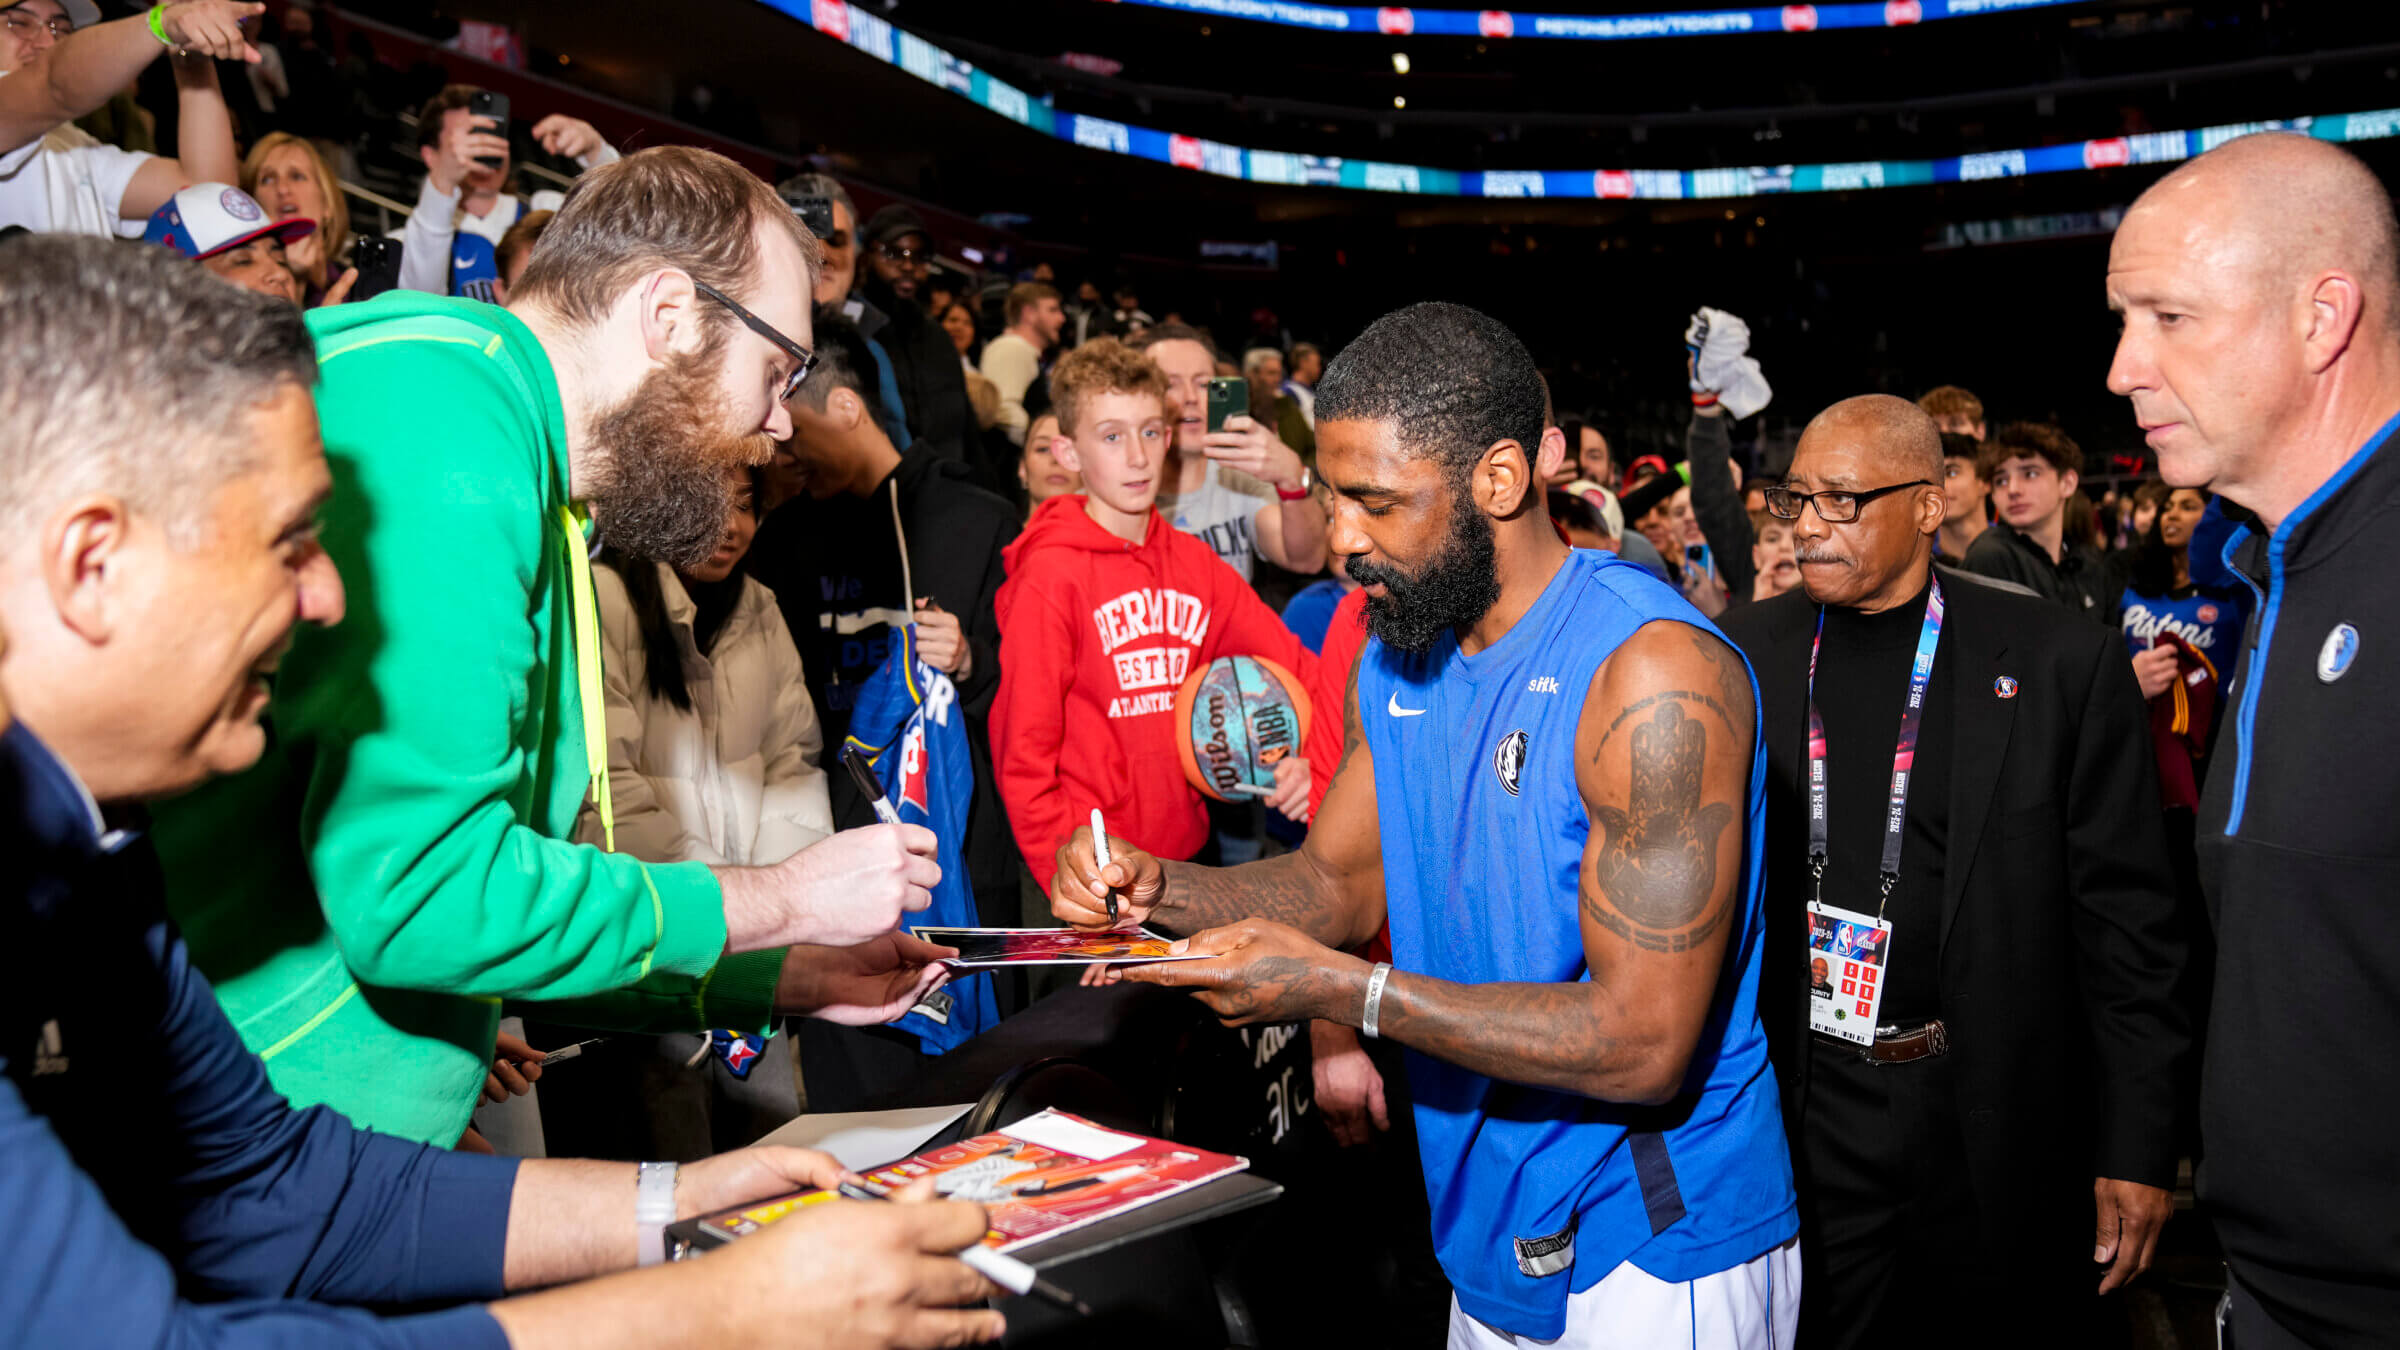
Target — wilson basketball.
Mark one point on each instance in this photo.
(1236, 718)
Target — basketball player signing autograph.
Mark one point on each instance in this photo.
(1551, 787)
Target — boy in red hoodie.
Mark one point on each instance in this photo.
(1106, 609)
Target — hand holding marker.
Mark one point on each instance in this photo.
(869, 786)
(1100, 858)
(1006, 1271)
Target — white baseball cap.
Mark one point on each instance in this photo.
(206, 219)
(81, 13)
(1610, 512)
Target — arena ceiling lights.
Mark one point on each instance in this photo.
(1397, 21)
(876, 37)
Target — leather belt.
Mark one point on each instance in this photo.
(1893, 1046)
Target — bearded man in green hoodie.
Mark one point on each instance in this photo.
(401, 859)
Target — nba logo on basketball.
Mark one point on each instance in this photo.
(1236, 718)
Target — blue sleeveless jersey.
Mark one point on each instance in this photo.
(1536, 1193)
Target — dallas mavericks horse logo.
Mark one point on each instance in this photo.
(2340, 649)
(1509, 761)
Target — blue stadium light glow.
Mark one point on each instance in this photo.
(878, 38)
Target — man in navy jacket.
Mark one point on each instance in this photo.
(2261, 352)
(159, 473)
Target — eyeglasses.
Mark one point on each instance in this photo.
(21, 21)
(803, 359)
(1834, 508)
(905, 255)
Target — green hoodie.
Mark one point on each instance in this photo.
(400, 861)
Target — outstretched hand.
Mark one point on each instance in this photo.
(868, 984)
(1261, 971)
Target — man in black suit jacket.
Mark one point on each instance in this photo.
(2005, 1145)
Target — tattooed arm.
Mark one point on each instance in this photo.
(1330, 888)
(1663, 762)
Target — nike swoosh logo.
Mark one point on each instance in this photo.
(463, 260)
(1393, 707)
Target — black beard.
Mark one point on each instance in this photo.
(663, 490)
(1453, 590)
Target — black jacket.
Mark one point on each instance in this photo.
(2082, 579)
(933, 384)
(808, 549)
(2058, 946)
(1717, 505)
(2299, 830)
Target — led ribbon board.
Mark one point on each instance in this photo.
(877, 38)
(1397, 21)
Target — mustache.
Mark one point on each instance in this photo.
(1371, 574)
(1817, 555)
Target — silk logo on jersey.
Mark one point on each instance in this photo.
(1509, 761)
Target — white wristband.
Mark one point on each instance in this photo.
(653, 1210)
(1366, 1021)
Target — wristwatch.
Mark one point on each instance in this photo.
(1307, 480)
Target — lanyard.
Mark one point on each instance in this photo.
(1904, 754)
(587, 669)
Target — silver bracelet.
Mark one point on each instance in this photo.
(653, 1210)
(1366, 1021)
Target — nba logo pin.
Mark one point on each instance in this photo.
(2340, 649)
(2005, 687)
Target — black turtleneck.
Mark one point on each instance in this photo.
(712, 605)
(1862, 681)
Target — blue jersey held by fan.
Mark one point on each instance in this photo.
(908, 724)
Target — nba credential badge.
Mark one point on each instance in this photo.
(1509, 761)
(2340, 649)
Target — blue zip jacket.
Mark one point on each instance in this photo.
(158, 1192)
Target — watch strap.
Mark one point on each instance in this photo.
(653, 1210)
